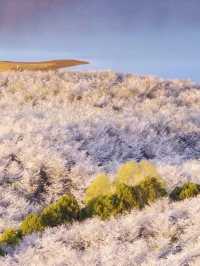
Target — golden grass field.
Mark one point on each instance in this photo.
(43, 65)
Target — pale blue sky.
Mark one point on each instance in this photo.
(144, 36)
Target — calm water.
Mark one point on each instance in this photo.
(145, 37)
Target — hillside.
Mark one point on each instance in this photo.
(73, 126)
(43, 65)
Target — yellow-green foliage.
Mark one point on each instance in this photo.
(136, 185)
(10, 237)
(101, 186)
(127, 173)
(64, 210)
(132, 173)
(32, 223)
(188, 190)
(124, 199)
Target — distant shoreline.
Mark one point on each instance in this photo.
(40, 65)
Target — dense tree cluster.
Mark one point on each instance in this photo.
(60, 132)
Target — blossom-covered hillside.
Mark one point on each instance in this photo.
(58, 130)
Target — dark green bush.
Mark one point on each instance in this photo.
(125, 199)
(188, 190)
(104, 199)
(152, 189)
(135, 185)
(32, 223)
(2, 253)
(175, 194)
(86, 212)
(10, 237)
(103, 206)
(138, 196)
(129, 197)
(64, 210)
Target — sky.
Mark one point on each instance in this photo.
(158, 37)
